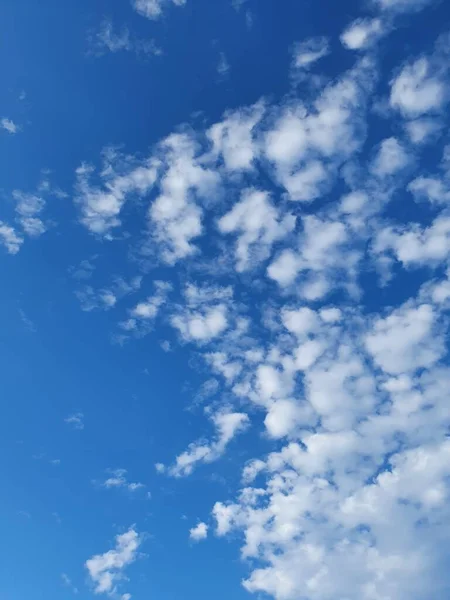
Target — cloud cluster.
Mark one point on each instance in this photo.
(305, 256)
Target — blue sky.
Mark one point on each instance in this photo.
(225, 255)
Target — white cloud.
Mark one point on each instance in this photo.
(153, 9)
(76, 420)
(223, 66)
(202, 325)
(259, 226)
(227, 425)
(107, 297)
(309, 51)
(149, 309)
(415, 91)
(101, 207)
(406, 340)
(351, 396)
(423, 130)
(402, 5)
(414, 245)
(10, 239)
(28, 207)
(206, 315)
(320, 252)
(362, 33)
(175, 217)
(8, 125)
(306, 144)
(68, 583)
(233, 138)
(199, 532)
(435, 190)
(108, 39)
(106, 570)
(391, 157)
(118, 479)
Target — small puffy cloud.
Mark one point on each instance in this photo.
(415, 91)
(433, 189)
(283, 417)
(149, 309)
(405, 340)
(233, 138)
(284, 269)
(175, 216)
(206, 314)
(202, 325)
(306, 53)
(414, 245)
(362, 33)
(258, 224)
(106, 570)
(10, 239)
(8, 125)
(76, 420)
(153, 9)
(320, 254)
(199, 532)
(422, 130)
(391, 158)
(28, 207)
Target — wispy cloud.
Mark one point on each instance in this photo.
(106, 570)
(154, 9)
(76, 420)
(109, 39)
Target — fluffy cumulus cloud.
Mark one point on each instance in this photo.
(421, 86)
(199, 532)
(107, 570)
(205, 315)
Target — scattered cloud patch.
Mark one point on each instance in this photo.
(9, 126)
(76, 420)
(118, 479)
(109, 39)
